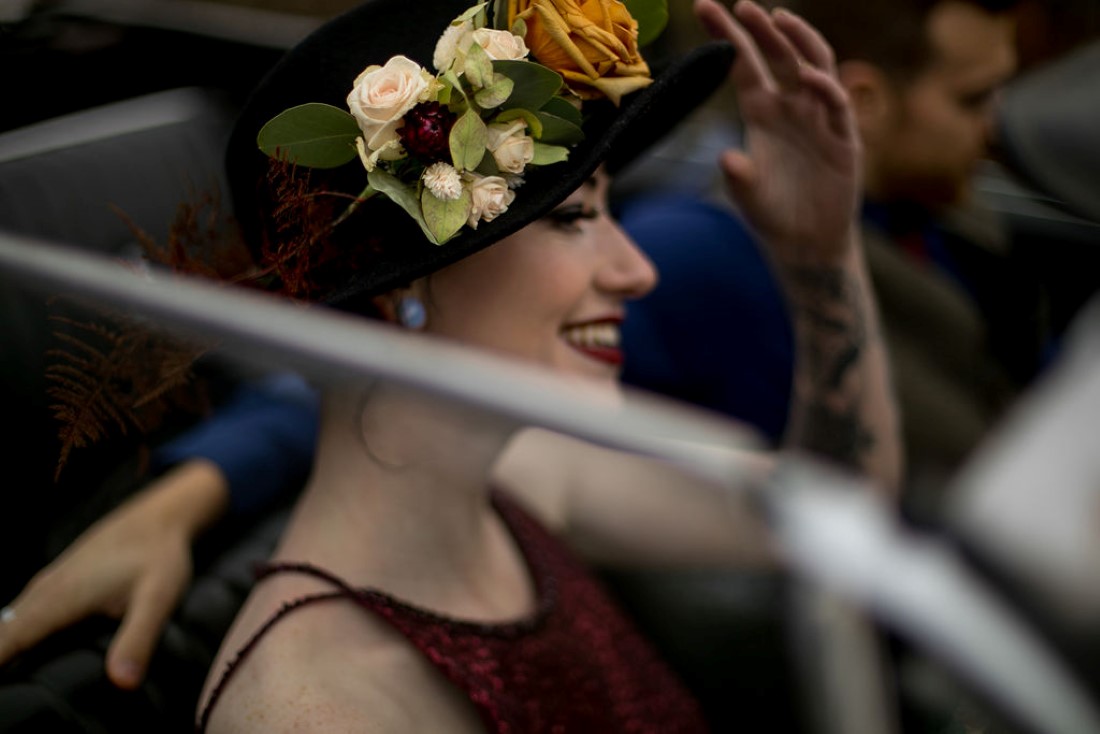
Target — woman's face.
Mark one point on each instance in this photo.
(553, 293)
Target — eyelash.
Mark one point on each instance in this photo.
(566, 217)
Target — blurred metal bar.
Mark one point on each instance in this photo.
(834, 531)
(843, 538)
(265, 331)
(1030, 497)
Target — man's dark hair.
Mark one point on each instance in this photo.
(891, 34)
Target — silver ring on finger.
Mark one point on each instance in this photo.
(7, 614)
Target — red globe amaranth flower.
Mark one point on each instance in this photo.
(426, 131)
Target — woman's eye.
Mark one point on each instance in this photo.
(567, 217)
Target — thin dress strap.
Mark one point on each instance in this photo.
(262, 571)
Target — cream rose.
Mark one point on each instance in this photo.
(511, 148)
(499, 45)
(382, 95)
(489, 196)
(455, 43)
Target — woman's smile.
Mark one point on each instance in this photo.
(598, 339)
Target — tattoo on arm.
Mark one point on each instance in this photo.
(831, 329)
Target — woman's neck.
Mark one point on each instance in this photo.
(399, 500)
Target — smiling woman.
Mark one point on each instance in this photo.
(430, 558)
(484, 608)
(553, 293)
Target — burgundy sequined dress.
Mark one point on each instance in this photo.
(576, 665)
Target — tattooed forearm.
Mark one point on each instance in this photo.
(831, 328)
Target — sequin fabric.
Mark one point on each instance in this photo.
(577, 664)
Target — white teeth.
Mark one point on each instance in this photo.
(593, 335)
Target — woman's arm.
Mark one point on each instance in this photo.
(797, 183)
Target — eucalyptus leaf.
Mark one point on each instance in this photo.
(557, 131)
(469, 14)
(478, 67)
(468, 139)
(534, 124)
(560, 107)
(534, 83)
(548, 154)
(496, 93)
(444, 218)
(456, 84)
(488, 166)
(313, 135)
(443, 96)
(401, 194)
(500, 14)
(652, 17)
(519, 28)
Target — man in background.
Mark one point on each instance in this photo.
(961, 310)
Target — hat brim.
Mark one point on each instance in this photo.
(323, 66)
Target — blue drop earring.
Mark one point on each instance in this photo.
(411, 313)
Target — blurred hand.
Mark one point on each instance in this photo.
(132, 565)
(797, 178)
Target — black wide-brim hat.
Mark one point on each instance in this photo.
(323, 68)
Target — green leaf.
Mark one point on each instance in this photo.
(488, 166)
(401, 194)
(444, 218)
(496, 93)
(519, 28)
(478, 67)
(534, 83)
(558, 131)
(470, 14)
(443, 96)
(313, 135)
(652, 17)
(456, 84)
(534, 124)
(469, 137)
(500, 14)
(559, 107)
(548, 154)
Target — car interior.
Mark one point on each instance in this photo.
(127, 145)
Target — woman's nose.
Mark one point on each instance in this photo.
(626, 270)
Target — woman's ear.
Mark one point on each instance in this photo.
(404, 307)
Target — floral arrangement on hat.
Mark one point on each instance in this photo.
(451, 147)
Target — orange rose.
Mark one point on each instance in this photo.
(593, 44)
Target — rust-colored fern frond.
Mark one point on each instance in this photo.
(303, 221)
(202, 240)
(110, 373)
(114, 374)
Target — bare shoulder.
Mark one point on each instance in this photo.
(537, 467)
(333, 667)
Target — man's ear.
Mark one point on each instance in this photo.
(872, 96)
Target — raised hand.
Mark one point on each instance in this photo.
(797, 177)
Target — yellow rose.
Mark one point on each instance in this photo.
(593, 44)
